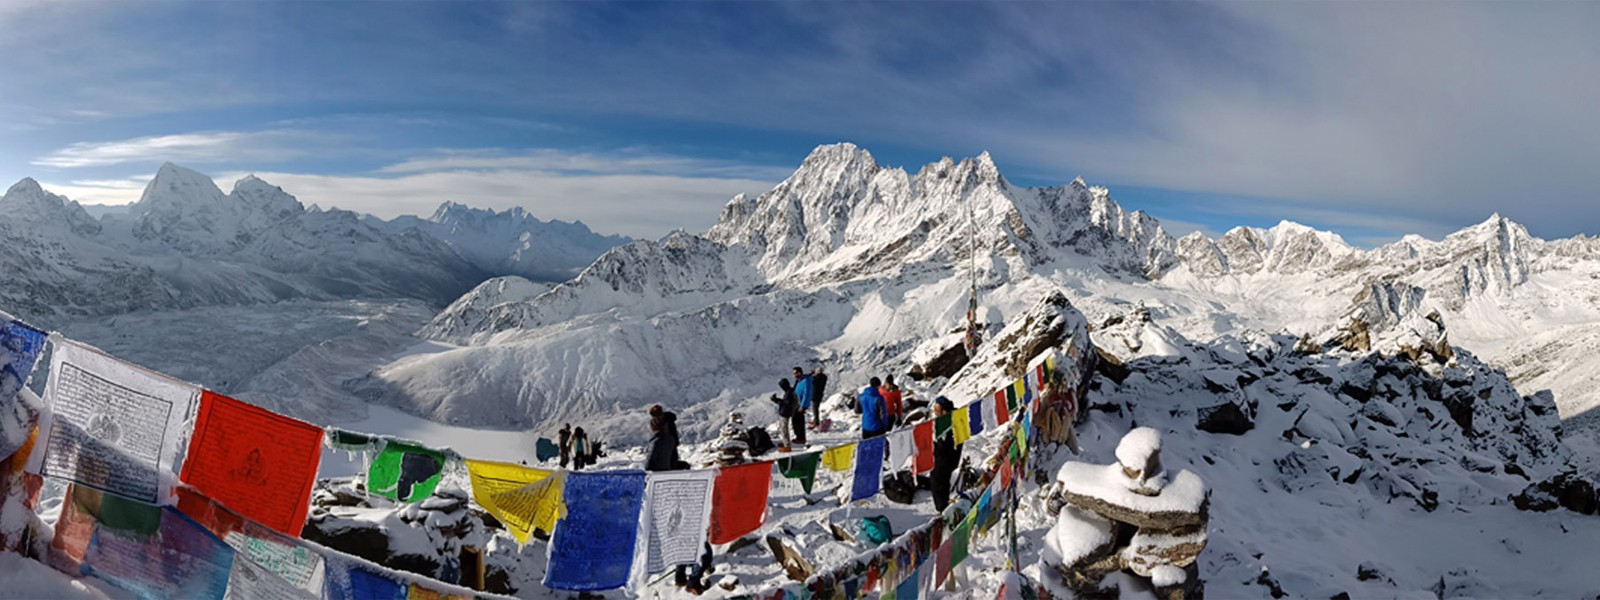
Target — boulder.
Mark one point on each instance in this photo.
(1150, 549)
(1225, 418)
(1182, 503)
(1139, 453)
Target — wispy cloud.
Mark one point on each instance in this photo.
(196, 148)
(584, 163)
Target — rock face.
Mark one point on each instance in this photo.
(1125, 517)
(1051, 323)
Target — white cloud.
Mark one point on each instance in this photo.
(558, 161)
(212, 147)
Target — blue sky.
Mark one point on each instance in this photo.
(1370, 119)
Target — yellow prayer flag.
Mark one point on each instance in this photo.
(521, 497)
(1021, 386)
(961, 425)
(418, 592)
(841, 458)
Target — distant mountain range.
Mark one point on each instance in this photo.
(186, 244)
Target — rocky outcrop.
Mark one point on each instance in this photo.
(1051, 323)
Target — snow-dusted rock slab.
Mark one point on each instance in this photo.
(1104, 489)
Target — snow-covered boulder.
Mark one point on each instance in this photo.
(1051, 323)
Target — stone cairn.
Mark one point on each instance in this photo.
(1129, 517)
(733, 446)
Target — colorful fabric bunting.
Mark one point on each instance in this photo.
(975, 417)
(418, 592)
(1020, 390)
(351, 441)
(840, 458)
(266, 559)
(592, 548)
(942, 425)
(405, 472)
(802, 467)
(111, 425)
(677, 514)
(922, 435)
(523, 498)
(193, 563)
(907, 590)
(941, 563)
(1012, 401)
(868, 478)
(961, 424)
(258, 463)
(19, 491)
(739, 503)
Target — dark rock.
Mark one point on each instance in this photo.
(363, 539)
(1225, 418)
(1362, 394)
(1515, 469)
(1429, 501)
(1109, 366)
(1268, 580)
(1460, 407)
(946, 364)
(1368, 571)
(1341, 596)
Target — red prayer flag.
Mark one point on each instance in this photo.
(1039, 375)
(1001, 415)
(941, 568)
(923, 437)
(739, 501)
(258, 463)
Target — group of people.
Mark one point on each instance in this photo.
(883, 406)
(793, 400)
(576, 448)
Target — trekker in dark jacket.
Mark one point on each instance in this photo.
(565, 443)
(788, 407)
(663, 440)
(874, 411)
(946, 457)
(819, 392)
(580, 449)
(808, 397)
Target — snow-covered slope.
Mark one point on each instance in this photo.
(511, 242)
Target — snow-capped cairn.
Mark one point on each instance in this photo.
(1129, 516)
(733, 446)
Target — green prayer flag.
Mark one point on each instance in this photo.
(1011, 400)
(963, 534)
(941, 426)
(802, 467)
(405, 472)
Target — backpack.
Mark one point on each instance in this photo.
(876, 530)
(900, 486)
(760, 441)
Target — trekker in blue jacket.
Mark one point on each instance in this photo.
(874, 411)
(807, 395)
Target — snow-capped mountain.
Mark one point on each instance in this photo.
(188, 244)
(884, 259)
(511, 242)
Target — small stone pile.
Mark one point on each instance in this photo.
(733, 446)
(1129, 516)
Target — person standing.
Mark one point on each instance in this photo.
(874, 413)
(663, 440)
(819, 392)
(788, 406)
(580, 449)
(565, 443)
(806, 396)
(946, 456)
(892, 401)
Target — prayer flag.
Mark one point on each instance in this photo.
(869, 469)
(1021, 388)
(839, 458)
(1001, 415)
(418, 592)
(942, 425)
(802, 467)
(405, 472)
(182, 560)
(111, 425)
(961, 538)
(523, 498)
(258, 463)
(961, 425)
(20, 346)
(907, 590)
(902, 450)
(1011, 400)
(975, 417)
(265, 560)
(592, 548)
(677, 514)
(351, 578)
(941, 563)
(351, 441)
(1039, 373)
(739, 504)
(922, 434)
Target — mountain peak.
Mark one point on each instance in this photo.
(28, 202)
(178, 186)
(836, 153)
(26, 186)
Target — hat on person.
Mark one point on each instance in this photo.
(945, 403)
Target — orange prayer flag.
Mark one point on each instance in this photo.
(260, 464)
(739, 501)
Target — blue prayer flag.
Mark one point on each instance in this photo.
(592, 548)
(869, 468)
